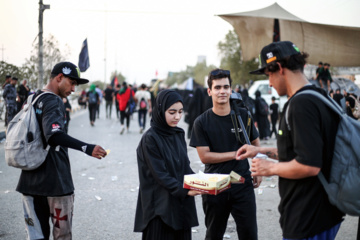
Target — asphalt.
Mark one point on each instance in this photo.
(106, 190)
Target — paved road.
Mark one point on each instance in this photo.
(106, 190)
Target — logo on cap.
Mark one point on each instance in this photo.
(270, 57)
(296, 48)
(66, 70)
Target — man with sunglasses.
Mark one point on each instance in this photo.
(214, 135)
(305, 146)
(48, 191)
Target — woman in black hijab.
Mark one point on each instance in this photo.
(165, 210)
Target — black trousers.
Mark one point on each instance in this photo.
(239, 200)
(158, 230)
(123, 115)
(142, 117)
(108, 108)
(92, 112)
(273, 130)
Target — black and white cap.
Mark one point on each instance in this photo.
(69, 70)
(274, 52)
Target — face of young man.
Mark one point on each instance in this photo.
(276, 81)
(66, 86)
(220, 91)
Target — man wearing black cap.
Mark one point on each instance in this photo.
(48, 191)
(9, 95)
(305, 210)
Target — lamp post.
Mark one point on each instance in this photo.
(42, 8)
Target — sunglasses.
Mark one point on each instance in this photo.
(220, 71)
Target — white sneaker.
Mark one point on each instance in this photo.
(122, 130)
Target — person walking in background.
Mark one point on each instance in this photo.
(305, 147)
(109, 98)
(67, 111)
(116, 93)
(100, 94)
(274, 115)
(123, 99)
(143, 100)
(317, 77)
(48, 191)
(93, 100)
(261, 116)
(165, 210)
(7, 81)
(9, 96)
(195, 108)
(23, 93)
(350, 101)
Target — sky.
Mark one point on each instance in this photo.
(141, 37)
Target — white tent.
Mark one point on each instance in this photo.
(338, 45)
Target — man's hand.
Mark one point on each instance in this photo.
(261, 167)
(246, 151)
(98, 152)
(257, 181)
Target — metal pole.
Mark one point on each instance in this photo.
(42, 8)
(105, 49)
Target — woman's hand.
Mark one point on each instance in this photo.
(194, 193)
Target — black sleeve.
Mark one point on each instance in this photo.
(64, 140)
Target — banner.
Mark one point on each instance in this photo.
(84, 62)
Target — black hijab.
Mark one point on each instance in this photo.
(164, 100)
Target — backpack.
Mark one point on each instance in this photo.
(356, 110)
(92, 98)
(342, 187)
(24, 146)
(130, 106)
(142, 104)
(263, 107)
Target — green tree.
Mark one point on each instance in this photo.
(10, 69)
(52, 55)
(231, 59)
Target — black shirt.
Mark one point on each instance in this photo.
(218, 133)
(53, 177)
(108, 94)
(304, 207)
(274, 109)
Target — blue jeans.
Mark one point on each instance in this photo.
(329, 234)
(142, 117)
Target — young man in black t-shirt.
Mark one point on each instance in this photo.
(305, 210)
(48, 191)
(216, 140)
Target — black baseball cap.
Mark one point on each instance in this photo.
(274, 52)
(69, 70)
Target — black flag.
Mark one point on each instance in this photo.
(84, 62)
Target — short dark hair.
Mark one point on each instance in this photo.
(218, 74)
(320, 63)
(294, 63)
(143, 86)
